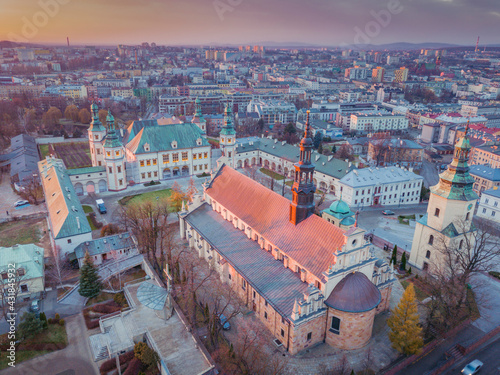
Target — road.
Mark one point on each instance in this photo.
(489, 355)
(430, 173)
(370, 217)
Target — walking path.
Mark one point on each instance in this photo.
(74, 359)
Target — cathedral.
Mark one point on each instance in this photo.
(308, 280)
(449, 214)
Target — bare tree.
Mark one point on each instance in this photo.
(456, 262)
(149, 223)
(11, 280)
(59, 268)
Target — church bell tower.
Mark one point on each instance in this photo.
(303, 188)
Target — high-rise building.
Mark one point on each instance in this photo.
(401, 74)
(378, 74)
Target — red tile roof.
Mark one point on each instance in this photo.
(311, 243)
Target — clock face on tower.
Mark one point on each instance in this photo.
(470, 206)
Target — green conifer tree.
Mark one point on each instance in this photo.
(406, 334)
(403, 262)
(90, 284)
(394, 258)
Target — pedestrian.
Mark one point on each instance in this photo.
(7, 212)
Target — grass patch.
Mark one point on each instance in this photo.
(21, 356)
(92, 226)
(87, 209)
(471, 303)
(272, 174)
(55, 334)
(130, 275)
(44, 151)
(20, 232)
(103, 296)
(420, 294)
(61, 291)
(405, 219)
(149, 196)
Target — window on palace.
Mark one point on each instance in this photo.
(309, 336)
(428, 254)
(175, 157)
(155, 173)
(335, 325)
(119, 169)
(148, 162)
(282, 332)
(184, 156)
(205, 155)
(149, 174)
(166, 158)
(194, 168)
(117, 153)
(436, 212)
(143, 175)
(154, 161)
(108, 153)
(120, 182)
(195, 156)
(110, 169)
(142, 163)
(431, 239)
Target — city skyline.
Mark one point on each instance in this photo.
(321, 23)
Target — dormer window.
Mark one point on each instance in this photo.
(174, 144)
(146, 147)
(198, 142)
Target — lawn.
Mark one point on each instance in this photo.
(405, 219)
(130, 275)
(44, 151)
(421, 295)
(20, 232)
(92, 226)
(272, 174)
(103, 296)
(149, 196)
(87, 209)
(55, 334)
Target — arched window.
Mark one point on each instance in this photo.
(428, 254)
(467, 216)
(460, 244)
(431, 239)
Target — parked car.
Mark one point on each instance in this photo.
(224, 323)
(20, 203)
(101, 206)
(387, 212)
(35, 306)
(473, 367)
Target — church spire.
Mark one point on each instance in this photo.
(456, 182)
(96, 124)
(303, 188)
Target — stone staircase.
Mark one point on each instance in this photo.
(99, 347)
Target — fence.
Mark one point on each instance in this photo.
(426, 349)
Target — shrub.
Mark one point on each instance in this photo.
(49, 320)
(107, 366)
(61, 322)
(106, 308)
(134, 367)
(119, 299)
(43, 319)
(57, 317)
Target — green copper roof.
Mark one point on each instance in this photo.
(228, 128)
(77, 171)
(28, 257)
(160, 138)
(456, 183)
(95, 125)
(111, 138)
